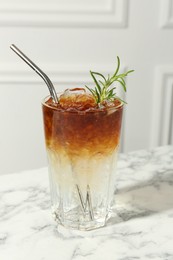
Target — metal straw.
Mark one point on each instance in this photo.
(38, 71)
(87, 203)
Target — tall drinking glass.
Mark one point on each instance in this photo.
(82, 149)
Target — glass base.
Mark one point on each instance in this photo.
(82, 193)
(75, 220)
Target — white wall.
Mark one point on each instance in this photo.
(67, 40)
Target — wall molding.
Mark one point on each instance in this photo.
(166, 14)
(112, 13)
(14, 72)
(162, 125)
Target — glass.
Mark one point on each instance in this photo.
(82, 152)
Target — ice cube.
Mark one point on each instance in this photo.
(77, 98)
(74, 91)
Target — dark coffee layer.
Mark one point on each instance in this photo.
(82, 132)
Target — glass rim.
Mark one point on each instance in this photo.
(43, 102)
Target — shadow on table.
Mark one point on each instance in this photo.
(144, 199)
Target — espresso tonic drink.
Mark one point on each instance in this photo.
(82, 140)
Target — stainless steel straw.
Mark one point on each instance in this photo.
(38, 71)
(55, 99)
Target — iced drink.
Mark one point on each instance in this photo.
(82, 140)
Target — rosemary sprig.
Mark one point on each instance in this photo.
(102, 90)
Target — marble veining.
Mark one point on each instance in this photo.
(141, 226)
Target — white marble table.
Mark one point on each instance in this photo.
(142, 228)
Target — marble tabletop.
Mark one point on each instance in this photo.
(141, 227)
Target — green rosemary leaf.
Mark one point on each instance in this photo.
(122, 83)
(102, 90)
(111, 91)
(97, 94)
(102, 83)
(123, 75)
(118, 66)
(130, 71)
(96, 82)
(92, 92)
(90, 89)
(110, 95)
(99, 74)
